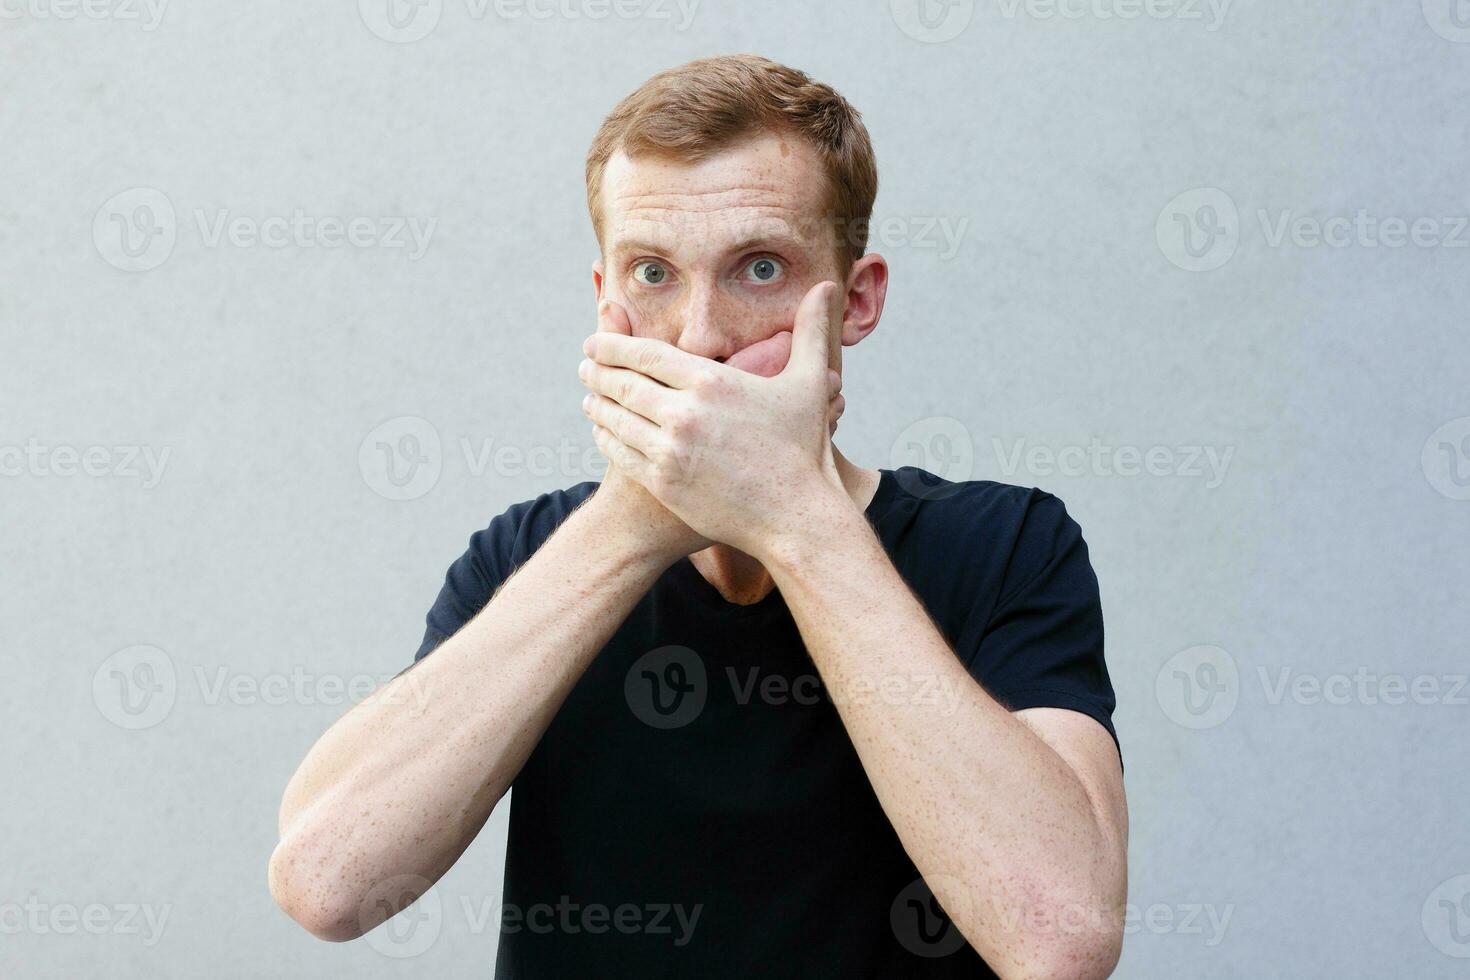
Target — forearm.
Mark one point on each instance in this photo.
(402, 783)
(1001, 828)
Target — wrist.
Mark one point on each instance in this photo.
(825, 523)
(609, 525)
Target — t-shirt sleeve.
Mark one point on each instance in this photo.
(492, 557)
(471, 581)
(1042, 642)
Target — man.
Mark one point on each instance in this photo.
(756, 702)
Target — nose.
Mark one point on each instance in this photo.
(709, 324)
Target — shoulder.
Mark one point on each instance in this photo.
(493, 555)
(1013, 532)
(982, 506)
(515, 533)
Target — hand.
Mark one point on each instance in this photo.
(741, 459)
(626, 501)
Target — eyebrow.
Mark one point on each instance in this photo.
(638, 245)
(752, 242)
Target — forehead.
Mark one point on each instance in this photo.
(769, 186)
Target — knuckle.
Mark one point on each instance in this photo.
(647, 359)
(681, 423)
(714, 383)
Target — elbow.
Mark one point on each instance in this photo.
(1083, 935)
(317, 902)
(1062, 934)
(1086, 940)
(1052, 957)
(1092, 957)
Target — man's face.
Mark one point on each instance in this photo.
(714, 257)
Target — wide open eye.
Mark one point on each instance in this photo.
(650, 273)
(765, 270)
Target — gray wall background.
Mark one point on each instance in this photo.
(1286, 626)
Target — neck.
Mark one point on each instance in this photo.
(743, 580)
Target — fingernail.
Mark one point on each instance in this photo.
(587, 403)
(589, 346)
(583, 369)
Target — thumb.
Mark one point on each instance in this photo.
(612, 318)
(818, 322)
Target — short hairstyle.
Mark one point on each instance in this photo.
(698, 109)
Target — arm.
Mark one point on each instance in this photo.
(402, 783)
(1017, 821)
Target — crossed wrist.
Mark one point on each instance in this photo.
(824, 524)
(637, 545)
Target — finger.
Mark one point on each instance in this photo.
(628, 388)
(765, 358)
(612, 318)
(627, 427)
(662, 362)
(818, 321)
(834, 383)
(835, 408)
(629, 461)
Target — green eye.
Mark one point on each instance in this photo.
(764, 270)
(650, 273)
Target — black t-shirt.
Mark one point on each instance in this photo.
(696, 808)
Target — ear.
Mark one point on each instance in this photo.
(597, 271)
(867, 287)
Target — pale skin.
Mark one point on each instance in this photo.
(714, 381)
